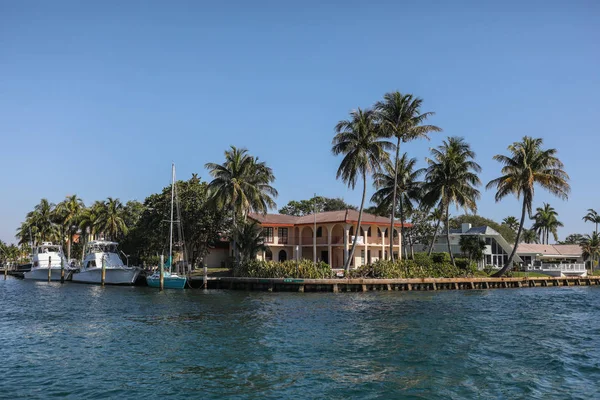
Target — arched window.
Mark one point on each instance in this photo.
(282, 255)
(352, 231)
(319, 232)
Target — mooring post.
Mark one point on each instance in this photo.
(301, 288)
(5, 271)
(364, 288)
(335, 288)
(472, 285)
(433, 286)
(389, 287)
(62, 271)
(103, 276)
(49, 268)
(205, 277)
(162, 273)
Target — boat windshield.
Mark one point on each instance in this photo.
(49, 249)
(102, 248)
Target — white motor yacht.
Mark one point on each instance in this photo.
(99, 253)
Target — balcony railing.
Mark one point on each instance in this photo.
(557, 267)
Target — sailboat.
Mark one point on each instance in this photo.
(171, 280)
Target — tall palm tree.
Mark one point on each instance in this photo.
(546, 222)
(437, 215)
(242, 184)
(359, 140)
(528, 164)
(451, 179)
(590, 247)
(511, 222)
(593, 217)
(70, 211)
(402, 181)
(249, 240)
(88, 221)
(529, 236)
(400, 117)
(41, 223)
(111, 219)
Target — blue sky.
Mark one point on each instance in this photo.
(98, 98)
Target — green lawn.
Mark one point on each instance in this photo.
(515, 274)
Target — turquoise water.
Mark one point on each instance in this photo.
(83, 341)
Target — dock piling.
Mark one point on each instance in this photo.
(103, 276)
(162, 273)
(205, 277)
(49, 268)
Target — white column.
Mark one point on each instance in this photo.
(365, 232)
(383, 257)
(329, 255)
(346, 234)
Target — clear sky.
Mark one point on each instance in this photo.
(97, 98)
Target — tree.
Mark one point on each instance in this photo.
(40, 225)
(593, 217)
(240, 185)
(437, 214)
(511, 222)
(250, 240)
(201, 225)
(89, 220)
(306, 207)
(529, 236)
(472, 246)
(111, 219)
(70, 211)
(451, 179)
(574, 238)
(401, 180)
(546, 222)
(359, 140)
(590, 248)
(527, 166)
(400, 117)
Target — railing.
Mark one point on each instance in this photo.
(557, 267)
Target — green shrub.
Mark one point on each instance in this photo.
(424, 259)
(440, 258)
(287, 269)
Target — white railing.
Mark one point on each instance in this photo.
(557, 267)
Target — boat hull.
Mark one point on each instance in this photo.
(170, 282)
(114, 276)
(41, 274)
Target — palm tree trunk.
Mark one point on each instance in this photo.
(236, 254)
(412, 243)
(448, 234)
(437, 228)
(362, 204)
(508, 266)
(394, 202)
(402, 231)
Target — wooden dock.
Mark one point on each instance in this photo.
(367, 285)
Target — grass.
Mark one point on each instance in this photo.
(213, 272)
(515, 274)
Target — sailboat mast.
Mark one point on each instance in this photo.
(171, 233)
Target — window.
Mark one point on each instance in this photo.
(268, 234)
(268, 254)
(319, 232)
(369, 232)
(378, 232)
(351, 231)
(283, 235)
(362, 257)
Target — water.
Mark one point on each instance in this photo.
(83, 341)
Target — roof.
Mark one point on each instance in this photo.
(550, 249)
(476, 230)
(342, 216)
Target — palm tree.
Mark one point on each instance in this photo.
(400, 117)
(359, 140)
(88, 221)
(511, 222)
(111, 219)
(546, 222)
(405, 184)
(528, 164)
(593, 217)
(590, 247)
(70, 212)
(472, 246)
(40, 223)
(249, 240)
(437, 215)
(529, 236)
(241, 184)
(451, 179)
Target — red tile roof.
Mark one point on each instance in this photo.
(342, 216)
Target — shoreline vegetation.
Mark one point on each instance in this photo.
(369, 146)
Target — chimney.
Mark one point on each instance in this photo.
(465, 227)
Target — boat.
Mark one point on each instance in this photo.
(102, 253)
(170, 280)
(48, 255)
